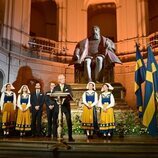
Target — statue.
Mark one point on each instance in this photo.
(95, 49)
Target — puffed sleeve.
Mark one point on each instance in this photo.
(84, 99)
(100, 105)
(2, 101)
(14, 100)
(112, 102)
(95, 99)
(29, 103)
(18, 102)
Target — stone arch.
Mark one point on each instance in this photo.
(2, 78)
(90, 2)
(153, 16)
(103, 15)
(109, 33)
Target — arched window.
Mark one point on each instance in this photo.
(1, 80)
(153, 16)
(104, 16)
(44, 19)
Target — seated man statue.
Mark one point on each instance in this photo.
(95, 49)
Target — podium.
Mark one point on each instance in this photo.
(60, 97)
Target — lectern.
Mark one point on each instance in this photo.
(60, 97)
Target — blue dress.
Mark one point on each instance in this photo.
(23, 122)
(107, 120)
(89, 115)
(8, 114)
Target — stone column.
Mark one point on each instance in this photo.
(142, 21)
(16, 23)
(61, 6)
(72, 20)
(132, 23)
(8, 18)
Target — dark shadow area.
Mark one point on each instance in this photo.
(26, 77)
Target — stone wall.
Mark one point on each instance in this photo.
(45, 71)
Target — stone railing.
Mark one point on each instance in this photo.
(43, 44)
(36, 47)
(125, 49)
(153, 40)
(44, 48)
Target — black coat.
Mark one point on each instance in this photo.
(37, 101)
(49, 101)
(67, 88)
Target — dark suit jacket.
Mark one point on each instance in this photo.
(49, 101)
(37, 101)
(67, 88)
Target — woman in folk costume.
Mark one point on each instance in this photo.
(106, 103)
(8, 106)
(23, 122)
(90, 99)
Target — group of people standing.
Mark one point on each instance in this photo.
(106, 123)
(16, 111)
(29, 108)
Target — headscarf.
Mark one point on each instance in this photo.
(87, 87)
(110, 87)
(4, 87)
(20, 91)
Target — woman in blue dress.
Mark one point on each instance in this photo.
(23, 123)
(106, 103)
(90, 99)
(8, 107)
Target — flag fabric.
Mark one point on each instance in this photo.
(155, 69)
(149, 115)
(140, 71)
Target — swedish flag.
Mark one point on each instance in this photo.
(140, 71)
(149, 115)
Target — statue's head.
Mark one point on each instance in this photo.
(95, 32)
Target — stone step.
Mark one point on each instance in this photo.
(129, 146)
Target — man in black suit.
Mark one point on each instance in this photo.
(66, 109)
(51, 106)
(37, 101)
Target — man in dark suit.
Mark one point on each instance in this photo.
(66, 109)
(51, 106)
(37, 101)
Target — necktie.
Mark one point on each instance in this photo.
(62, 87)
(37, 94)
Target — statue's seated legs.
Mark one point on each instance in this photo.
(87, 70)
(99, 70)
(99, 66)
(88, 66)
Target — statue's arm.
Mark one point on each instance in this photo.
(77, 54)
(77, 58)
(110, 44)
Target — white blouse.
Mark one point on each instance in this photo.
(9, 93)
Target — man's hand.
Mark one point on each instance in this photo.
(77, 62)
(51, 107)
(105, 109)
(37, 107)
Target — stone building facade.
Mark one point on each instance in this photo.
(42, 34)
